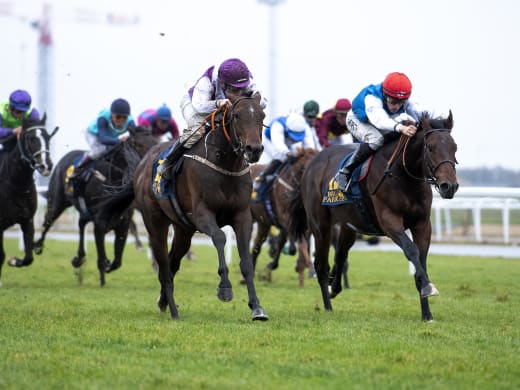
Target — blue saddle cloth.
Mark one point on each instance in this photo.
(161, 188)
(333, 196)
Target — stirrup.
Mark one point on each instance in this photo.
(343, 180)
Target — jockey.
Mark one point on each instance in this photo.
(159, 122)
(311, 109)
(284, 136)
(376, 111)
(13, 111)
(331, 126)
(108, 129)
(218, 87)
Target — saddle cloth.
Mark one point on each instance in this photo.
(162, 189)
(333, 196)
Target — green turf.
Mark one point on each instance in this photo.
(58, 334)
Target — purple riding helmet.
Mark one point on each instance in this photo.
(234, 73)
(20, 100)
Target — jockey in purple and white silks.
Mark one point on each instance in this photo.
(212, 90)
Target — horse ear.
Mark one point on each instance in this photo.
(448, 122)
(44, 118)
(257, 97)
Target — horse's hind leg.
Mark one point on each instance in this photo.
(282, 239)
(79, 259)
(262, 232)
(345, 241)
(121, 234)
(158, 234)
(102, 261)
(2, 254)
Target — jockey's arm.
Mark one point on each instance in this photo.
(202, 99)
(104, 134)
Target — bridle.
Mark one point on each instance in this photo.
(237, 144)
(431, 168)
(27, 156)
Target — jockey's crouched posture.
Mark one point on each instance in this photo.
(280, 140)
(108, 129)
(218, 87)
(378, 110)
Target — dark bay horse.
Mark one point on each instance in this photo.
(109, 170)
(19, 158)
(274, 211)
(213, 190)
(394, 198)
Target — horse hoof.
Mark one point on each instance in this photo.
(259, 314)
(429, 291)
(15, 262)
(225, 294)
(161, 305)
(78, 261)
(38, 249)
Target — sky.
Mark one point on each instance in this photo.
(460, 55)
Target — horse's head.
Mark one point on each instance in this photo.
(439, 155)
(247, 118)
(142, 139)
(34, 145)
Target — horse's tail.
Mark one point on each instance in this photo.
(297, 216)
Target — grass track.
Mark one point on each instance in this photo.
(56, 333)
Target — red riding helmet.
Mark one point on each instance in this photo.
(397, 85)
(235, 73)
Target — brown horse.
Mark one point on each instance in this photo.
(394, 199)
(273, 211)
(213, 189)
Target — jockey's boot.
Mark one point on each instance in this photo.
(77, 170)
(165, 169)
(359, 155)
(269, 170)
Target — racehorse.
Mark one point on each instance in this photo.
(394, 198)
(213, 190)
(19, 158)
(273, 211)
(108, 170)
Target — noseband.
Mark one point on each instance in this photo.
(236, 143)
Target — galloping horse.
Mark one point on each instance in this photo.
(394, 199)
(213, 189)
(109, 170)
(18, 199)
(273, 211)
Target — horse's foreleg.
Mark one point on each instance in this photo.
(422, 238)
(27, 227)
(321, 234)
(2, 254)
(344, 241)
(412, 253)
(51, 215)
(242, 227)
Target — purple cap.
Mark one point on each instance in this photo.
(20, 100)
(235, 73)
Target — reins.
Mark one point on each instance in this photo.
(403, 141)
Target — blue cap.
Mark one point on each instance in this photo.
(20, 100)
(164, 113)
(120, 106)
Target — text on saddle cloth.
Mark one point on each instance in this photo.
(333, 196)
